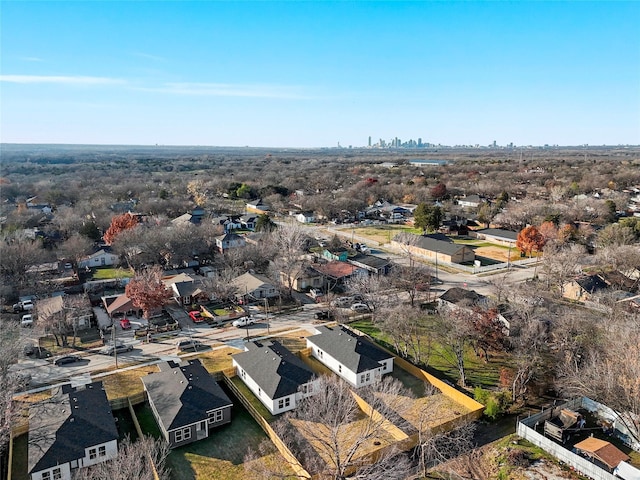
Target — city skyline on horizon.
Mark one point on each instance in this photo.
(320, 74)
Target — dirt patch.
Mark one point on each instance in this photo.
(495, 253)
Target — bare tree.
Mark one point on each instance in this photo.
(371, 288)
(61, 322)
(407, 329)
(452, 330)
(330, 434)
(10, 383)
(134, 461)
(289, 243)
(220, 286)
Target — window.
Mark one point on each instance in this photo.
(339, 368)
(284, 402)
(57, 474)
(368, 377)
(215, 417)
(183, 434)
(307, 388)
(93, 453)
(102, 451)
(46, 475)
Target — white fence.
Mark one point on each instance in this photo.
(528, 429)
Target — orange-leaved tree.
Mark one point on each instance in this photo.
(529, 240)
(119, 223)
(147, 291)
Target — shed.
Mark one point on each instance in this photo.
(601, 452)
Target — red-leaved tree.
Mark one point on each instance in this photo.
(529, 240)
(119, 223)
(147, 291)
(439, 191)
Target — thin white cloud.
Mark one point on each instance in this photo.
(32, 59)
(230, 90)
(61, 80)
(149, 56)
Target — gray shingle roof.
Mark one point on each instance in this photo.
(499, 233)
(462, 297)
(276, 370)
(183, 393)
(370, 260)
(73, 419)
(354, 352)
(435, 245)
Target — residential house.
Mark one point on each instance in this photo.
(337, 273)
(229, 223)
(583, 288)
(229, 241)
(471, 201)
(253, 286)
(76, 309)
(337, 255)
(248, 222)
(186, 293)
(119, 305)
(435, 249)
(302, 278)
(72, 429)
(186, 401)
(457, 298)
(257, 206)
(374, 265)
(101, 258)
(305, 217)
(256, 238)
(496, 235)
(352, 357)
(275, 375)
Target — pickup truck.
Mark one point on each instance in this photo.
(23, 306)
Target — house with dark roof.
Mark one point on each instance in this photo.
(456, 298)
(374, 265)
(228, 241)
(278, 377)
(499, 236)
(186, 401)
(436, 247)
(73, 429)
(583, 288)
(353, 357)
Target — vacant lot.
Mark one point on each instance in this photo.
(381, 233)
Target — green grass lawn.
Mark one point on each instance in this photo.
(479, 372)
(20, 458)
(109, 273)
(221, 456)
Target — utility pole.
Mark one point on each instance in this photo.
(266, 310)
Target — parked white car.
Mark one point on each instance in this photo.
(243, 322)
(26, 320)
(360, 308)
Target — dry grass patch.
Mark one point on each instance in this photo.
(429, 411)
(34, 397)
(126, 383)
(218, 359)
(294, 341)
(319, 436)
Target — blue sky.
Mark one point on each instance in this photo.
(312, 74)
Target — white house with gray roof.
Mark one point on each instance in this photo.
(351, 356)
(278, 377)
(186, 401)
(73, 429)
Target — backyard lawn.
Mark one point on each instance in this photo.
(218, 359)
(110, 273)
(479, 372)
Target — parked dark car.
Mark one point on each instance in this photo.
(111, 350)
(67, 359)
(324, 315)
(191, 346)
